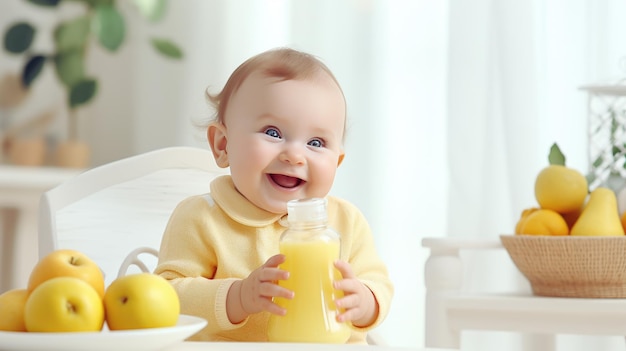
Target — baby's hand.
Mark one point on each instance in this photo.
(358, 301)
(260, 286)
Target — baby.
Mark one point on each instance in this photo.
(279, 125)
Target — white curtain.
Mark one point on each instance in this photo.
(512, 90)
(390, 59)
(453, 106)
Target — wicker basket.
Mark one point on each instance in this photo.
(568, 266)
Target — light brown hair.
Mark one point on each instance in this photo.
(282, 63)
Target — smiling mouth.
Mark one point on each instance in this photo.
(286, 181)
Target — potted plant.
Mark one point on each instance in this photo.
(100, 24)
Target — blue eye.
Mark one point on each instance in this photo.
(273, 132)
(316, 143)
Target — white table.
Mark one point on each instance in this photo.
(450, 311)
(256, 346)
(20, 189)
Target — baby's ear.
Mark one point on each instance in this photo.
(341, 156)
(216, 134)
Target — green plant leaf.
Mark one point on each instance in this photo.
(556, 157)
(94, 3)
(109, 27)
(19, 37)
(167, 48)
(70, 67)
(597, 162)
(82, 92)
(47, 3)
(32, 69)
(72, 35)
(152, 10)
(615, 150)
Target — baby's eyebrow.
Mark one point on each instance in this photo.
(326, 132)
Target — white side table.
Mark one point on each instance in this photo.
(20, 189)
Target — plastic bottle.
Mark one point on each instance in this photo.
(310, 249)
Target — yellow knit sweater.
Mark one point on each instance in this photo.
(214, 239)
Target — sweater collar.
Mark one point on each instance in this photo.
(237, 207)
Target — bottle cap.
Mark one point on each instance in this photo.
(313, 209)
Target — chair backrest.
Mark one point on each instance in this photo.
(111, 210)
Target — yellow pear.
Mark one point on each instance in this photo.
(600, 216)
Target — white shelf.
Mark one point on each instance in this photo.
(605, 89)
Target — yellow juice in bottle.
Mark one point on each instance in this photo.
(311, 314)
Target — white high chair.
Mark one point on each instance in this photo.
(452, 310)
(115, 212)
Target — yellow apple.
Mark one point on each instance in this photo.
(64, 304)
(139, 301)
(67, 263)
(12, 305)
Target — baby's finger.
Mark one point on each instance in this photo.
(348, 315)
(264, 303)
(270, 290)
(272, 275)
(275, 309)
(345, 269)
(275, 260)
(348, 286)
(348, 301)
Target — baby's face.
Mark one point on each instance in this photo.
(284, 139)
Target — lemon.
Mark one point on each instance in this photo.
(561, 189)
(544, 222)
(523, 218)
